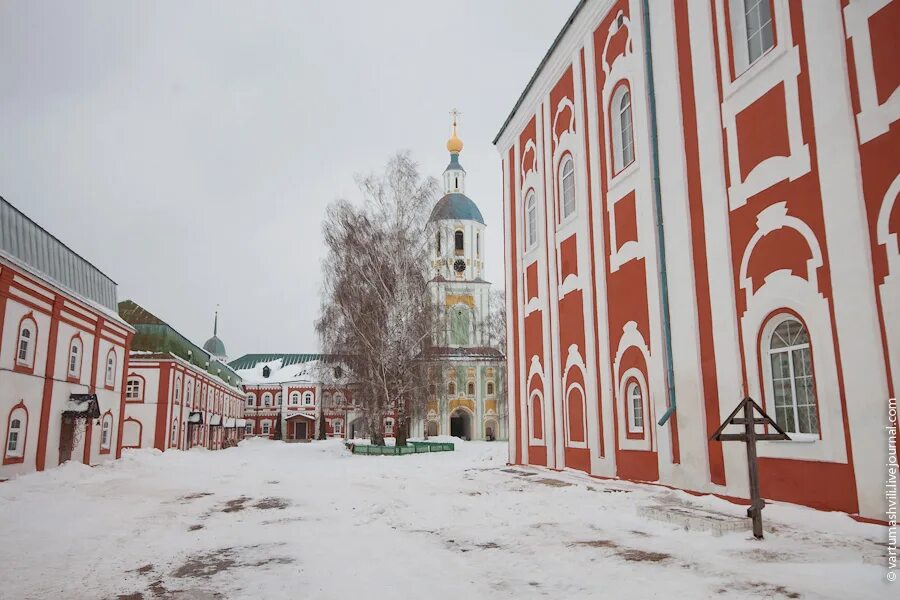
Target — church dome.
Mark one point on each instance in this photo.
(454, 144)
(215, 346)
(456, 206)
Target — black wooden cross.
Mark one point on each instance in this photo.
(750, 437)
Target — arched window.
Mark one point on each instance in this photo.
(635, 407)
(338, 399)
(470, 388)
(490, 388)
(111, 368)
(134, 389)
(451, 388)
(295, 397)
(267, 399)
(75, 357)
(248, 428)
(266, 427)
(278, 399)
(458, 241)
(567, 185)
(623, 138)
(188, 394)
(338, 426)
(307, 398)
(27, 341)
(793, 387)
(437, 237)
(15, 434)
(251, 399)
(106, 432)
(177, 388)
(530, 221)
(478, 245)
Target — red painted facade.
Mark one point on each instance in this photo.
(776, 156)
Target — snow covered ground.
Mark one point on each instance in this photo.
(274, 520)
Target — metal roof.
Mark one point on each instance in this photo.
(25, 240)
(456, 206)
(248, 361)
(540, 68)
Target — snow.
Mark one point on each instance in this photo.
(275, 520)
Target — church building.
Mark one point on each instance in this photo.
(467, 396)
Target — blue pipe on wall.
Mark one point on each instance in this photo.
(660, 229)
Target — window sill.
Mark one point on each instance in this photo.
(13, 460)
(799, 438)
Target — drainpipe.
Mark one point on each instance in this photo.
(660, 229)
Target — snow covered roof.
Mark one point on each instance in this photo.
(476, 353)
(240, 422)
(276, 369)
(195, 417)
(215, 420)
(309, 416)
(83, 405)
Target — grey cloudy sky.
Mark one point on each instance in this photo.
(189, 148)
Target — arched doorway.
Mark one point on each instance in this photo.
(358, 429)
(461, 424)
(431, 428)
(490, 431)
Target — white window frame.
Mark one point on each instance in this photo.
(768, 377)
(337, 426)
(278, 398)
(266, 427)
(307, 398)
(251, 400)
(490, 388)
(295, 398)
(740, 35)
(75, 357)
(19, 449)
(174, 437)
(568, 205)
(111, 363)
(134, 388)
(531, 221)
(267, 399)
(634, 392)
(618, 133)
(27, 341)
(106, 432)
(388, 425)
(470, 386)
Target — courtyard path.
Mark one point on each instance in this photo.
(272, 520)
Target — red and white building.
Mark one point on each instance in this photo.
(711, 219)
(177, 395)
(63, 351)
(287, 391)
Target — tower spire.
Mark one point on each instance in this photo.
(216, 321)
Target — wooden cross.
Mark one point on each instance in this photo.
(750, 437)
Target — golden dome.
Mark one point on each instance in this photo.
(454, 144)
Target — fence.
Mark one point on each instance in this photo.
(411, 448)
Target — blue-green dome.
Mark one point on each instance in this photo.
(458, 207)
(215, 346)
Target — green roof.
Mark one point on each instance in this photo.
(155, 335)
(456, 206)
(248, 361)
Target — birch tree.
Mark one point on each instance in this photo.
(376, 311)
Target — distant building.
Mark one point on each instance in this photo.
(284, 394)
(700, 217)
(63, 351)
(467, 396)
(177, 395)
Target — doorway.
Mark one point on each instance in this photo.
(461, 425)
(300, 430)
(66, 439)
(431, 429)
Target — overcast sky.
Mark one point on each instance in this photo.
(189, 149)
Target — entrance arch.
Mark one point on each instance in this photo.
(490, 430)
(358, 428)
(431, 428)
(461, 424)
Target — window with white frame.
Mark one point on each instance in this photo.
(111, 368)
(27, 341)
(307, 398)
(338, 426)
(267, 399)
(248, 429)
(266, 427)
(174, 432)
(793, 387)
(490, 388)
(635, 407)
(531, 227)
(451, 388)
(134, 388)
(250, 399)
(759, 28)
(622, 129)
(338, 399)
(388, 426)
(295, 397)
(278, 399)
(75, 357)
(106, 432)
(189, 394)
(177, 389)
(470, 388)
(15, 437)
(567, 185)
